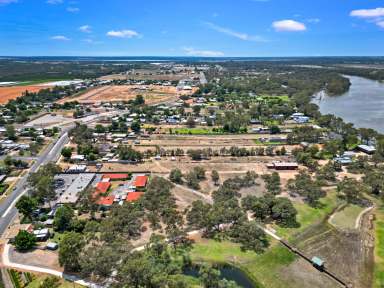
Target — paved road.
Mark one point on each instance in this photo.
(51, 153)
(8, 263)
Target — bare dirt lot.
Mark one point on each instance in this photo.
(149, 74)
(152, 94)
(12, 92)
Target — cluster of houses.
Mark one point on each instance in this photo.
(347, 157)
(127, 190)
(108, 188)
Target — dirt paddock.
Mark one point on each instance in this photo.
(152, 94)
(13, 92)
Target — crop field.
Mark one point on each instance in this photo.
(12, 92)
(152, 94)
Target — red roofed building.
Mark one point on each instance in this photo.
(106, 201)
(102, 187)
(140, 181)
(116, 176)
(134, 196)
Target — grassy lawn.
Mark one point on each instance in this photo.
(63, 284)
(263, 269)
(308, 215)
(39, 81)
(346, 218)
(379, 248)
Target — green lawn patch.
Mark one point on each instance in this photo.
(346, 218)
(379, 248)
(308, 215)
(263, 269)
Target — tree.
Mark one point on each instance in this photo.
(215, 177)
(284, 213)
(24, 241)
(200, 172)
(250, 236)
(135, 126)
(50, 282)
(124, 222)
(10, 132)
(275, 129)
(100, 129)
(70, 249)
(63, 218)
(128, 153)
(327, 172)
(273, 183)
(375, 181)
(192, 180)
(101, 259)
(209, 277)
(26, 205)
(139, 100)
(197, 215)
(42, 182)
(190, 122)
(306, 187)
(66, 152)
(350, 189)
(196, 110)
(176, 176)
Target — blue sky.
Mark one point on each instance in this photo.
(191, 28)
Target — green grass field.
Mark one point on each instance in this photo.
(308, 216)
(346, 218)
(39, 81)
(63, 284)
(263, 269)
(379, 248)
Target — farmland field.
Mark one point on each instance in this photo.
(12, 92)
(152, 93)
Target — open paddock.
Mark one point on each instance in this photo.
(152, 94)
(13, 92)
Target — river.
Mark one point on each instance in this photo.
(362, 105)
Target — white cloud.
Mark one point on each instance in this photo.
(73, 9)
(202, 53)
(85, 29)
(236, 34)
(60, 38)
(380, 24)
(54, 2)
(123, 34)
(288, 26)
(375, 15)
(5, 2)
(368, 13)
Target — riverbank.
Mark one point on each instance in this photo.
(362, 105)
